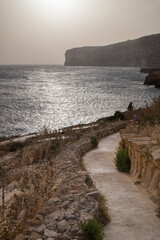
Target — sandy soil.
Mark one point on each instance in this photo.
(132, 213)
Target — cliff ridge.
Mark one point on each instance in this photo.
(141, 52)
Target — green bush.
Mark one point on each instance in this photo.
(93, 230)
(122, 160)
(94, 142)
(55, 144)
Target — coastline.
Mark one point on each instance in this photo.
(22, 138)
(47, 172)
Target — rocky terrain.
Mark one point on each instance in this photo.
(141, 52)
(153, 79)
(47, 196)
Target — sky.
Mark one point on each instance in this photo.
(40, 31)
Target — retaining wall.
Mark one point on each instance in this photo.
(145, 161)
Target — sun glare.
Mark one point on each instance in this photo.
(58, 6)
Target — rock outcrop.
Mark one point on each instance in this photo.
(141, 52)
(153, 79)
(145, 161)
(149, 70)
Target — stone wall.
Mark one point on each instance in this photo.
(145, 161)
(74, 200)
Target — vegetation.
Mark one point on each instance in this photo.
(103, 211)
(148, 123)
(122, 160)
(55, 144)
(117, 116)
(93, 230)
(94, 142)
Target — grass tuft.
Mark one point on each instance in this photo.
(93, 230)
(103, 210)
(122, 160)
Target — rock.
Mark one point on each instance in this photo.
(57, 215)
(69, 215)
(46, 210)
(50, 234)
(74, 229)
(22, 214)
(41, 229)
(63, 226)
(52, 226)
(66, 237)
(85, 216)
(39, 217)
(153, 79)
(88, 181)
(94, 194)
(35, 236)
(65, 205)
(52, 201)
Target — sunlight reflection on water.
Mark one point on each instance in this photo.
(58, 96)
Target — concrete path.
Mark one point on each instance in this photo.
(132, 213)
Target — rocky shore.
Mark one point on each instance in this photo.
(153, 79)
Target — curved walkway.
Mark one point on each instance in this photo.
(131, 211)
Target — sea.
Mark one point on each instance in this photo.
(56, 96)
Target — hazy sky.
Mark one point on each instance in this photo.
(40, 31)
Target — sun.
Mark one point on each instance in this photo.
(58, 6)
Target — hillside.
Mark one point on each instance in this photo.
(141, 52)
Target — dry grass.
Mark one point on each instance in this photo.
(35, 176)
(148, 123)
(35, 187)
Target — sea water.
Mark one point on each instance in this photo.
(32, 97)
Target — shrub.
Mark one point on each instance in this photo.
(119, 115)
(55, 144)
(15, 146)
(93, 230)
(103, 210)
(94, 142)
(122, 160)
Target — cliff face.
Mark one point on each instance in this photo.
(153, 79)
(141, 52)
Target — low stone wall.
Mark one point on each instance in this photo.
(145, 161)
(74, 200)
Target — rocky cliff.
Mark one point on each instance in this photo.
(153, 79)
(141, 52)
